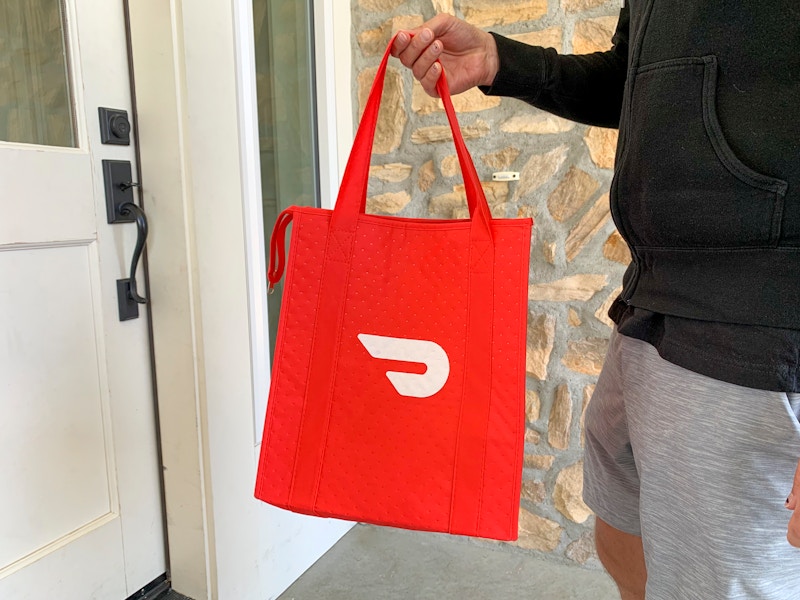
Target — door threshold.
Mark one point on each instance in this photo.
(158, 589)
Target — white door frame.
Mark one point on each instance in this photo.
(195, 87)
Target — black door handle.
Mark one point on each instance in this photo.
(122, 209)
(141, 226)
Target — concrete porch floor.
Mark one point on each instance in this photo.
(376, 563)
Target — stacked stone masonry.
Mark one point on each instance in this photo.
(577, 257)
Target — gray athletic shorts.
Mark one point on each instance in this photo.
(700, 469)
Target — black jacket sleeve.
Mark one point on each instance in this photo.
(587, 88)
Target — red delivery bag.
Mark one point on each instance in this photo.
(398, 385)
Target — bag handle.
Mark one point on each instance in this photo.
(352, 198)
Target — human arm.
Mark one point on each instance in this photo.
(585, 88)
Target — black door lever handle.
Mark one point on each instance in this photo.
(121, 208)
(129, 208)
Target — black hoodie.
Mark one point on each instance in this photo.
(706, 189)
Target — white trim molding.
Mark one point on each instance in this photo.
(334, 81)
(195, 78)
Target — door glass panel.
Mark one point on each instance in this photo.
(35, 100)
(286, 114)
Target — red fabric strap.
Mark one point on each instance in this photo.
(468, 475)
(277, 244)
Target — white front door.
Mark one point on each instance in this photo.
(80, 508)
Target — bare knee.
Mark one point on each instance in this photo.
(623, 557)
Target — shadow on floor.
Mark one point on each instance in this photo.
(380, 563)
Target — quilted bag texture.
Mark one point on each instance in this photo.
(398, 386)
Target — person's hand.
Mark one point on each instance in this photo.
(468, 54)
(793, 532)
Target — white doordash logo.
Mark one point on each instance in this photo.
(431, 354)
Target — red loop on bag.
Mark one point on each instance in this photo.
(277, 244)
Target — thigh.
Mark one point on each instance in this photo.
(715, 464)
(610, 477)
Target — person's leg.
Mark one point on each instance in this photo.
(714, 461)
(622, 556)
(611, 481)
(700, 469)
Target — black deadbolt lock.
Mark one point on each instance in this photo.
(120, 127)
(115, 128)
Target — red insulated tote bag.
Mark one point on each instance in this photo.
(398, 385)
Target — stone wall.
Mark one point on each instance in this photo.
(577, 257)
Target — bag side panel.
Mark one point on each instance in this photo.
(502, 470)
(286, 404)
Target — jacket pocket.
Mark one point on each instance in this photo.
(679, 182)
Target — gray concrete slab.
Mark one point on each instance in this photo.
(381, 563)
